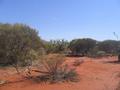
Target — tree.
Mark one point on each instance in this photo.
(109, 46)
(82, 46)
(18, 44)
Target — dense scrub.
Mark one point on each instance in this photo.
(19, 45)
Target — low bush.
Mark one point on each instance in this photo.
(97, 54)
(55, 70)
(19, 45)
(77, 62)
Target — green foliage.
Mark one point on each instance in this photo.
(100, 53)
(82, 46)
(18, 44)
(96, 53)
(109, 46)
(56, 46)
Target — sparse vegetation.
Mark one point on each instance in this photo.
(77, 62)
(59, 45)
(55, 70)
(56, 46)
(20, 45)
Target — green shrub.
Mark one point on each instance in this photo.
(18, 44)
(56, 46)
(101, 53)
(82, 46)
(96, 54)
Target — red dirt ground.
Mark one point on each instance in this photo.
(95, 74)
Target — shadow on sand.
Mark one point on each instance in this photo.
(113, 62)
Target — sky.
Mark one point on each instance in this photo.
(65, 19)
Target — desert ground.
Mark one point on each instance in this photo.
(95, 74)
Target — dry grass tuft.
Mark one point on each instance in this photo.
(55, 70)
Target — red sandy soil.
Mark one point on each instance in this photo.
(95, 74)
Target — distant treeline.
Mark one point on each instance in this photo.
(84, 47)
(20, 44)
